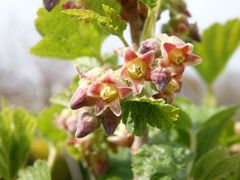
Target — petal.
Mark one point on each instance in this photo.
(169, 47)
(186, 48)
(148, 57)
(78, 97)
(107, 77)
(94, 90)
(137, 86)
(124, 92)
(148, 74)
(100, 106)
(124, 72)
(192, 60)
(115, 107)
(129, 54)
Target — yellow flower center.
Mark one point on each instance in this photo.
(109, 92)
(176, 56)
(137, 69)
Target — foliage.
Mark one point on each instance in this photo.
(39, 171)
(155, 161)
(140, 112)
(16, 131)
(218, 44)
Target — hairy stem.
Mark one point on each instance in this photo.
(123, 40)
(52, 155)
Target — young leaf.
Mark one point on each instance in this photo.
(215, 164)
(65, 38)
(154, 161)
(16, 131)
(139, 112)
(219, 42)
(39, 171)
(47, 127)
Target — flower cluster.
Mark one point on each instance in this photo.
(159, 62)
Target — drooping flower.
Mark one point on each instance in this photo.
(107, 92)
(137, 68)
(80, 97)
(176, 52)
(109, 121)
(150, 44)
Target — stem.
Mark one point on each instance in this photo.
(123, 40)
(52, 155)
(150, 23)
(193, 148)
(209, 99)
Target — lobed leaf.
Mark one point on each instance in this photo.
(140, 112)
(219, 42)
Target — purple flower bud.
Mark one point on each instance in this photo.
(109, 122)
(87, 124)
(150, 44)
(161, 77)
(50, 4)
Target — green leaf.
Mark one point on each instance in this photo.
(111, 20)
(209, 134)
(66, 38)
(150, 3)
(215, 164)
(153, 161)
(138, 112)
(219, 42)
(16, 132)
(47, 126)
(39, 171)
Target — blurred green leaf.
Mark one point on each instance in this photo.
(39, 171)
(16, 132)
(210, 131)
(47, 126)
(219, 42)
(65, 38)
(138, 112)
(215, 164)
(155, 161)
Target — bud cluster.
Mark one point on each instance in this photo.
(159, 62)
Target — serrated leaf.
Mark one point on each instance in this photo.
(210, 131)
(39, 171)
(47, 126)
(16, 132)
(66, 38)
(219, 42)
(138, 112)
(153, 161)
(215, 164)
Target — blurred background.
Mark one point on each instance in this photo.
(29, 81)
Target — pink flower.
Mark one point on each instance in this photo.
(107, 92)
(80, 97)
(137, 68)
(176, 52)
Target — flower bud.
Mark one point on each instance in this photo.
(237, 127)
(99, 164)
(71, 4)
(150, 44)
(87, 124)
(161, 77)
(50, 4)
(109, 122)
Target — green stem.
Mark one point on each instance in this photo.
(150, 23)
(193, 148)
(123, 40)
(52, 155)
(210, 99)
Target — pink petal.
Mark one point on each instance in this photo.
(115, 107)
(95, 89)
(124, 92)
(148, 57)
(124, 72)
(192, 60)
(186, 48)
(78, 97)
(169, 47)
(100, 106)
(129, 54)
(148, 74)
(137, 85)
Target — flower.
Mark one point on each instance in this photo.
(80, 97)
(107, 92)
(175, 51)
(137, 68)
